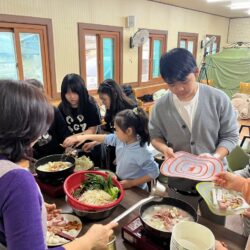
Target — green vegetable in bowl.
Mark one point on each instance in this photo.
(93, 181)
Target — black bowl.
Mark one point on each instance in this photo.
(57, 175)
(165, 201)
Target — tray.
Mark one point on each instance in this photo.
(186, 165)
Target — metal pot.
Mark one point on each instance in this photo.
(94, 215)
(52, 176)
(159, 158)
(165, 201)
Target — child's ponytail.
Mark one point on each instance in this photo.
(137, 119)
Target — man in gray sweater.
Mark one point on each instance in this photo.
(191, 117)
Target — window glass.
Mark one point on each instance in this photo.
(91, 61)
(190, 46)
(156, 58)
(145, 61)
(208, 49)
(26, 51)
(108, 58)
(183, 44)
(8, 63)
(31, 56)
(214, 48)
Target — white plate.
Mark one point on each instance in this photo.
(73, 233)
(194, 167)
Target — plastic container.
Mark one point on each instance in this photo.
(76, 179)
(190, 235)
(205, 190)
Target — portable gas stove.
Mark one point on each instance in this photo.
(136, 235)
(53, 189)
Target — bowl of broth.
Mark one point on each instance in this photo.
(160, 217)
(54, 167)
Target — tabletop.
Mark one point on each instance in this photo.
(233, 240)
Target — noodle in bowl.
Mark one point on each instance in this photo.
(90, 200)
(96, 197)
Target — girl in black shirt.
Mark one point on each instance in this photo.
(80, 112)
(78, 109)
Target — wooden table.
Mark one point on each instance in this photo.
(233, 240)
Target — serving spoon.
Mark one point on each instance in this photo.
(72, 150)
(157, 191)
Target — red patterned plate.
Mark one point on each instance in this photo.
(192, 167)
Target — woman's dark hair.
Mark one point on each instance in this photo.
(176, 65)
(118, 100)
(76, 84)
(26, 114)
(35, 83)
(136, 119)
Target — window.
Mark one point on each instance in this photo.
(149, 55)
(24, 51)
(188, 41)
(100, 53)
(215, 46)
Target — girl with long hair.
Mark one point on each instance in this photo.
(79, 111)
(114, 100)
(135, 163)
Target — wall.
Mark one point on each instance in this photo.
(65, 15)
(239, 30)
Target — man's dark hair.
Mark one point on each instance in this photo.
(176, 65)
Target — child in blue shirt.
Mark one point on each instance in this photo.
(135, 163)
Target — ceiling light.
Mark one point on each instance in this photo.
(242, 5)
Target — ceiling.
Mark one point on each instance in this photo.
(217, 8)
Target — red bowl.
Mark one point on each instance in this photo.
(76, 179)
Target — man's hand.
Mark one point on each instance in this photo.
(168, 153)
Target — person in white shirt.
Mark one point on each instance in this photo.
(194, 118)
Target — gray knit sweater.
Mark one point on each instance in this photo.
(214, 125)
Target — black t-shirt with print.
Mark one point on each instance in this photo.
(78, 123)
(49, 143)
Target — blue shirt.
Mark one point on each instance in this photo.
(133, 161)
